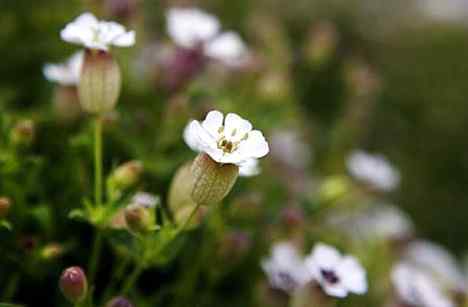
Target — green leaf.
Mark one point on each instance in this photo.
(7, 225)
(77, 214)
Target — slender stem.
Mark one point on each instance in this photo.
(96, 250)
(93, 261)
(11, 287)
(130, 282)
(98, 161)
(117, 274)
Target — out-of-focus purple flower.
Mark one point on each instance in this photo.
(285, 268)
(338, 275)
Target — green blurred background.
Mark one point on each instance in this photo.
(418, 118)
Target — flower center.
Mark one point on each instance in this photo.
(228, 145)
(287, 280)
(329, 276)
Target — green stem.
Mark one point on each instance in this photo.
(116, 276)
(93, 261)
(11, 287)
(98, 161)
(96, 251)
(131, 280)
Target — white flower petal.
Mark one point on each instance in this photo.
(189, 27)
(86, 30)
(255, 146)
(125, 40)
(335, 290)
(235, 127)
(68, 73)
(249, 168)
(324, 256)
(213, 122)
(228, 48)
(353, 275)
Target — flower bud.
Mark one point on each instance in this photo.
(100, 82)
(5, 205)
(127, 174)
(322, 43)
(212, 181)
(139, 219)
(333, 188)
(119, 301)
(74, 284)
(23, 132)
(51, 251)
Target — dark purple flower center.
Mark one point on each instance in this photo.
(329, 276)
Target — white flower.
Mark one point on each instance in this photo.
(447, 10)
(437, 261)
(249, 168)
(226, 140)
(376, 222)
(374, 170)
(67, 73)
(287, 146)
(92, 33)
(416, 288)
(144, 199)
(193, 28)
(338, 275)
(285, 268)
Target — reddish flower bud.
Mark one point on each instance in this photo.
(74, 284)
(23, 132)
(127, 174)
(5, 205)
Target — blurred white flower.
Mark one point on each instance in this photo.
(374, 170)
(446, 10)
(338, 275)
(436, 261)
(285, 268)
(376, 222)
(228, 140)
(92, 33)
(67, 73)
(287, 146)
(416, 288)
(145, 199)
(249, 168)
(192, 28)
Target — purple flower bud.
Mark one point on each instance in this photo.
(74, 284)
(119, 301)
(182, 67)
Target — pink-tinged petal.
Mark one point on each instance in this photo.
(213, 121)
(235, 127)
